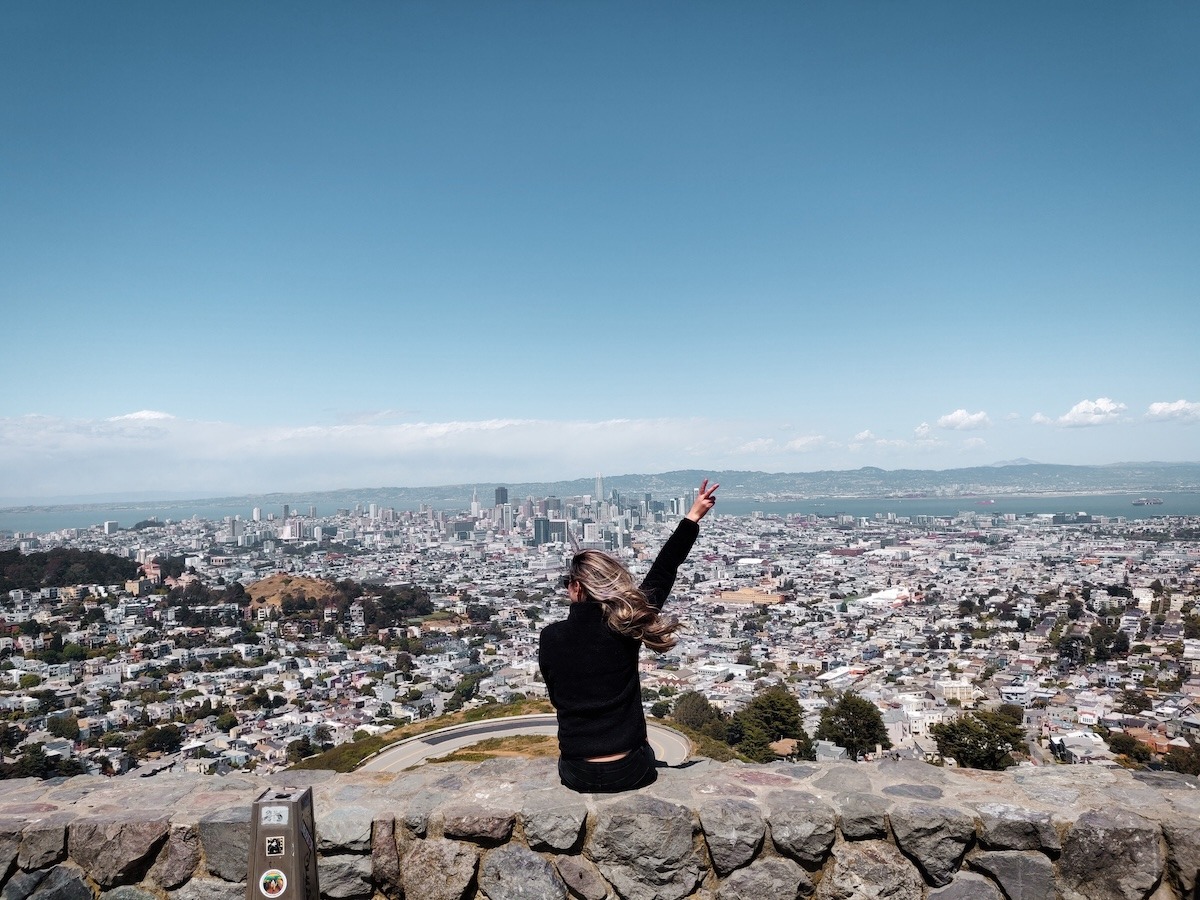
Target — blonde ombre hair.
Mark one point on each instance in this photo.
(627, 611)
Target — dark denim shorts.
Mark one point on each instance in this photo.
(635, 770)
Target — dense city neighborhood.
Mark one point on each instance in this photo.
(256, 641)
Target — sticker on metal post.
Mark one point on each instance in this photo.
(272, 883)
(275, 846)
(272, 815)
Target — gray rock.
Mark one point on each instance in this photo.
(127, 892)
(474, 822)
(344, 830)
(967, 886)
(225, 840)
(178, 859)
(869, 870)
(845, 778)
(914, 791)
(1022, 875)
(863, 817)
(936, 837)
(582, 877)
(1004, 827)
(44, 842)
(10, 845)
(1183, 853)
(514, 873)
(62, 883)
(117, 849)
(209, 889)
(438, 870)
(1110, 855)
(774, 878)
(22, 885)
(643, 846)
(734, 830)
(802, 825)
(553, 819)
(345, 875)
(385, 853)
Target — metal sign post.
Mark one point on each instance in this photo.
(283, 847)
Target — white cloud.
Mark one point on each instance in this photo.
(974, 443)
(806, 444)
(1180, 410)
(48, 457)
(922, 431)
(961, 420)
(142, 415)
(1085, 413)
(863, 436)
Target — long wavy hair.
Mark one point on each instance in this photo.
(627, 611)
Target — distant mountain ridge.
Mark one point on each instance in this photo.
(869, 481)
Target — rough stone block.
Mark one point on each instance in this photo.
(385, 853)
(734, 831)
(643, 846)
(520, 874)
(863, 817)
(1022, 875)
(553, 819)
(802, 825)
(438, 869)
(117, 849)
(344, 830)
(582, 877)
(1005, 827)
(178, 859)
(62, 883)
(935, 837)
(345, 876)
(775, 878)
(225, 840)
(870, 870)
(209, 889)
(44, 842)
(477, 822)
(1110, 854)
(1183, 854)
(967, 886)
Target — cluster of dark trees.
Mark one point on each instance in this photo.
(384, 606)
(983, 739)
(61, 567)
(773, 714)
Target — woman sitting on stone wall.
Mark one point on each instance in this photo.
(589, 660)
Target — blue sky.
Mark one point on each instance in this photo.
(251, 247)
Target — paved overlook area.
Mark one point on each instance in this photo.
(505, 829)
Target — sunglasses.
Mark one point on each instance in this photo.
(565, 581)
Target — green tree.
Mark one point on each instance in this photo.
(1183, 759)
(979, 740)
(693, 710)
(661, 709)
(299, 749)
(1126, 745)
(64, 726)
(773, 713)
(854, 723)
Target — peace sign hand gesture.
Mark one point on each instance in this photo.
(706, 501)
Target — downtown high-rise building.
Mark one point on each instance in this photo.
(501, 496)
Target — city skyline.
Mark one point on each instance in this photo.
(298, 248)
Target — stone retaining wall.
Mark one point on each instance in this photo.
(506, 829)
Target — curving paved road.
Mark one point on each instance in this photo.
(669, 746)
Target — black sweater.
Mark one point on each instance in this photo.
(591, 671)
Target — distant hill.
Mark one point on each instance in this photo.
(1014, 477)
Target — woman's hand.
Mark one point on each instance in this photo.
(706, 501)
